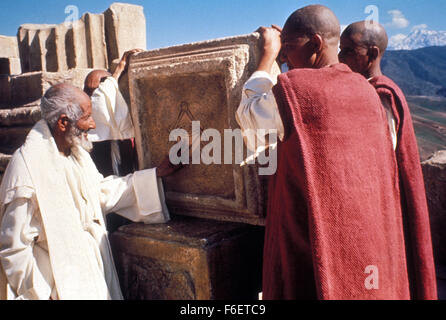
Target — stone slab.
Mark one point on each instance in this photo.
(125, 29)
(20, 116)
(205, 78)
(95, 37)
(434, 170)
(76, 45)
(10, 66)
(189, 259)
(9, 47)
(12, 138)
(5, 91)
(30, 87)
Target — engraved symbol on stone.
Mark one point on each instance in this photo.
(184, 111)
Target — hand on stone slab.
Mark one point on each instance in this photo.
(123, 64)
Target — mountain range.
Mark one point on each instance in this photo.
(420, 37)
(421, 74)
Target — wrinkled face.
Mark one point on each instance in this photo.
(296, 51)
(78, 134)
(354, 54)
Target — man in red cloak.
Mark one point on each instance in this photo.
(363, 45)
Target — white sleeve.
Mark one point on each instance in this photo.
(391, 122)
(26, 264)
(258, 110)
(138, 197)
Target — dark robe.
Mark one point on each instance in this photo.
(413, 194)
(334, 226)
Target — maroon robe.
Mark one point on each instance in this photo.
(413, 193)
(334, 204)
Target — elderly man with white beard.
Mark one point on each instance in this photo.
(53, 238)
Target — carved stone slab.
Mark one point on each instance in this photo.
(170, 88)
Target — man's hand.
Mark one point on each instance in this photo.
(122, 66)
(166, 168)
(271, 47)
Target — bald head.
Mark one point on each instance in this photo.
(93, 80)
(368, 33)
(311, 20)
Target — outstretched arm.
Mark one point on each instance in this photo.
(123, 64)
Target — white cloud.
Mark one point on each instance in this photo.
(398, 20)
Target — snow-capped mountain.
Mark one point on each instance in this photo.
(420, 37)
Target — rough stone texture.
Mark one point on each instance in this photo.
(30, 87)
(76, 46)
(125, 29)
(207, 79)
(95, 37)
(10, 66)
(11, 138)
(20, 116)
(434, 171)
(5, 90)
(9, 47)
(189, 259)
(60, 35)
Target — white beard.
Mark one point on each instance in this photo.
(78, 139)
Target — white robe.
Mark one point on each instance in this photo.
(258, 110)
(53, 238)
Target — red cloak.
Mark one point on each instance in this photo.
(413, 194)
(334, 227)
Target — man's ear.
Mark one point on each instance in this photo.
(317, 43)
(63, 123)
(373, 53)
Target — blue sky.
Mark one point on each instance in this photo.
(171, 22)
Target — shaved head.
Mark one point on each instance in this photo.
(311, 20)
(371, 34)
(93, 80)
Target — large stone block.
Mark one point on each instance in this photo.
(20, 116)
(9, 47)
(76, 45)
(96, 45)
(10, 66)
(30, 87)
(189, 259)
(203, 81)
(5, 91)
(125, 29)
(434, 170)
(11, 138)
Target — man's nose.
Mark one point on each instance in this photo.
(92, 124)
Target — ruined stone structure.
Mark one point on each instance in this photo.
(43, 55)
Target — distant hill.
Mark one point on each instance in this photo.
(420, 72)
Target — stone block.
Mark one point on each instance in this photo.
(203, 81)
(20, 116)
(9, 47)
(125, 29)
(76, 45)
(434, 170)
(30, 87)
(189, 259)
(12, 138)
(5, 91)
(10, 66)
(95, 37)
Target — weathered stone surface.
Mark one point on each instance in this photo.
(10, 66)
(5, 91)
(189, 259)
(11, 138)
(60, 35)
(434, 171)
(95, 37)
(76, 46)
(9, 47)
(20, 116)
(4, 161)
(125, 29)
(30, 87)
(206, 79)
